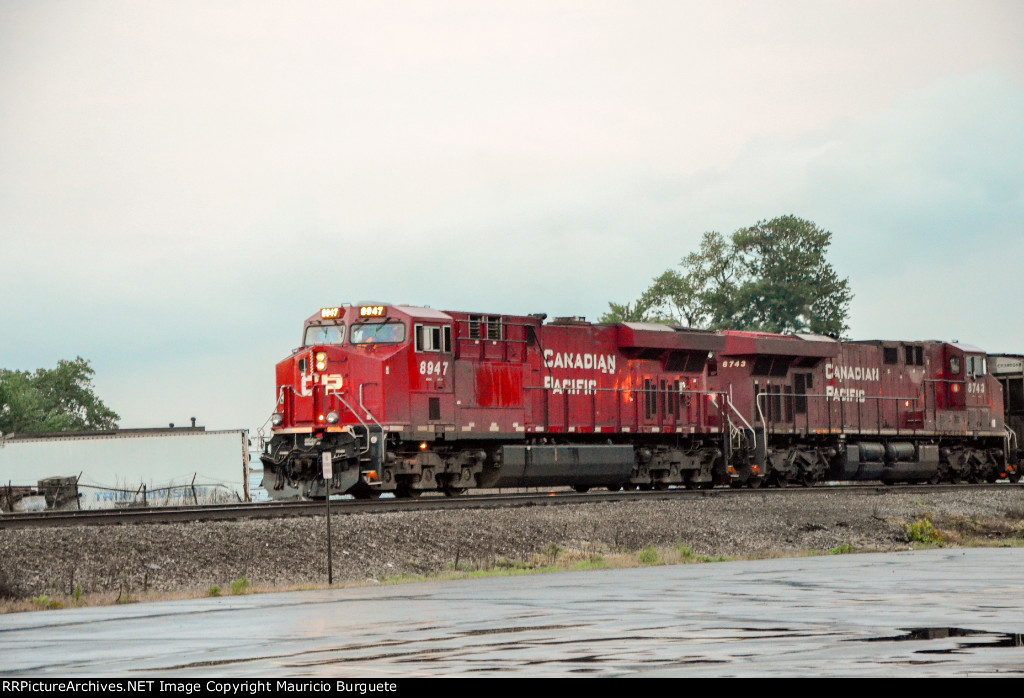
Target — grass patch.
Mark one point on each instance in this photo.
(648, 556)
(922, 531)
(45, 602)
(595, 562)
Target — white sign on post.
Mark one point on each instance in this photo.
(328, 470)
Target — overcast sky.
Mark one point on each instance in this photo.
(182, 183)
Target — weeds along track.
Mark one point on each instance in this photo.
(277, 510)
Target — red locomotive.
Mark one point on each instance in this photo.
(405, 399)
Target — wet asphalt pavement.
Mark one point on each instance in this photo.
(927, 613)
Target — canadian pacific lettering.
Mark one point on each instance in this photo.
(570, 386)
(605, 363)
(839, 373)
(850, 373)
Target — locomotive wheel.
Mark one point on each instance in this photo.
(454, 491)
(1013, 477)
(614, 488)
(754, 482)
(662, 486)
(582, 489)
(406, 492)
(361, 491)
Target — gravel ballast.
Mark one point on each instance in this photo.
(283, 553)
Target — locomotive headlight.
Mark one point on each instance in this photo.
(332, 417)
(321, 360)
(277, 419)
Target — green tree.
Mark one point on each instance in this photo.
(59, 399)
(789, 285)
(702, 293)
(772, 277)
(629, 312)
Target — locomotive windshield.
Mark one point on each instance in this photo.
(324, 334)
(378, 333)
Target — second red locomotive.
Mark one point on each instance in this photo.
(405, 399)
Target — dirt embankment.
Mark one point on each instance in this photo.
(192, 557)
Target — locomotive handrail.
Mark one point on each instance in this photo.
(336, 394)
(260, 434)
(733, 430)
(280, 401)
(764, 422)
(620, 390)
(729, 402)
(280, 393)
(548, 391)
(368, 413)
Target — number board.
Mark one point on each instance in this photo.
(372, 311)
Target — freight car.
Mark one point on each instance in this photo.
(1009, 371)
(406, 399)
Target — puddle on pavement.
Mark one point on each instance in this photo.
(918, 634)
(525, 629)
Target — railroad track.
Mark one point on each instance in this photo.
(274, 510)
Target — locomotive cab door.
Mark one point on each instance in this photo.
(433, 377)
(976, 388)
(952, 391)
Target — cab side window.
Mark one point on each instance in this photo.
(432, 338)
(954, 365)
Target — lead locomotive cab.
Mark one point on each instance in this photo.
(347, 387)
